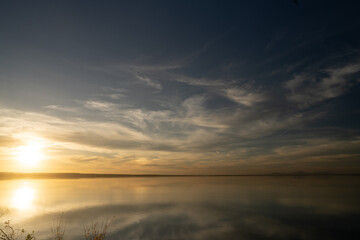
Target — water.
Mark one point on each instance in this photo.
(189, 207)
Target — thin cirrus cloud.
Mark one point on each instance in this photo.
(172, 93)
(193, 126)
(244, 97)
(308, 88)
(149, 82)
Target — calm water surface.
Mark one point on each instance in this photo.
(189, 207)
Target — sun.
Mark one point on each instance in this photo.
(31, 154)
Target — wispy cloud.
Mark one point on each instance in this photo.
(197, 114)
(149, 82)
(204, 141)
(201, 82)
(61, 108)
(309, 88)
(100, 105)
(242, 96)
(114, 93)
(6, 141)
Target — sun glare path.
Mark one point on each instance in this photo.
(31, 154)
(23, 198)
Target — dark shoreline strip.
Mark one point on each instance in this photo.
(12, 175)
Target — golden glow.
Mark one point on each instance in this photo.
(23, 197)
(31, 154)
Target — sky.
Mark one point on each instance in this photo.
(180, 87)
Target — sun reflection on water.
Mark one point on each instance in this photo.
(23, 197)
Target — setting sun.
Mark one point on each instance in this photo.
(31, 154)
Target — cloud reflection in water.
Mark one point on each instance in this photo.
(205, 208)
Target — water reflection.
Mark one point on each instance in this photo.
(197, 208)
(23, 197)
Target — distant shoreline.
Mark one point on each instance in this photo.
(14, 175)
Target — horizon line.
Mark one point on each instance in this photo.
(66, 175)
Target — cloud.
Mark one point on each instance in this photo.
(61, 108)
(149, 82)
(115, 96)
(320, 149)
(197, 114)
(226, 137)
(8, 142)
(100, 105)
(267, 125)
(114, 141)
(117, 90)
(153, 67)
(243, 96)
(113, 93)
(307, 89)
(201, 82)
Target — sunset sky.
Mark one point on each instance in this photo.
(180, 87)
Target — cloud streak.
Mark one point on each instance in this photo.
(307, 89)
(201, 93)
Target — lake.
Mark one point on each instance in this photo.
(324, 207)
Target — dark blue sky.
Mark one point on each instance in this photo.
(182, 86)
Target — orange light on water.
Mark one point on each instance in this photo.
(23, 198)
